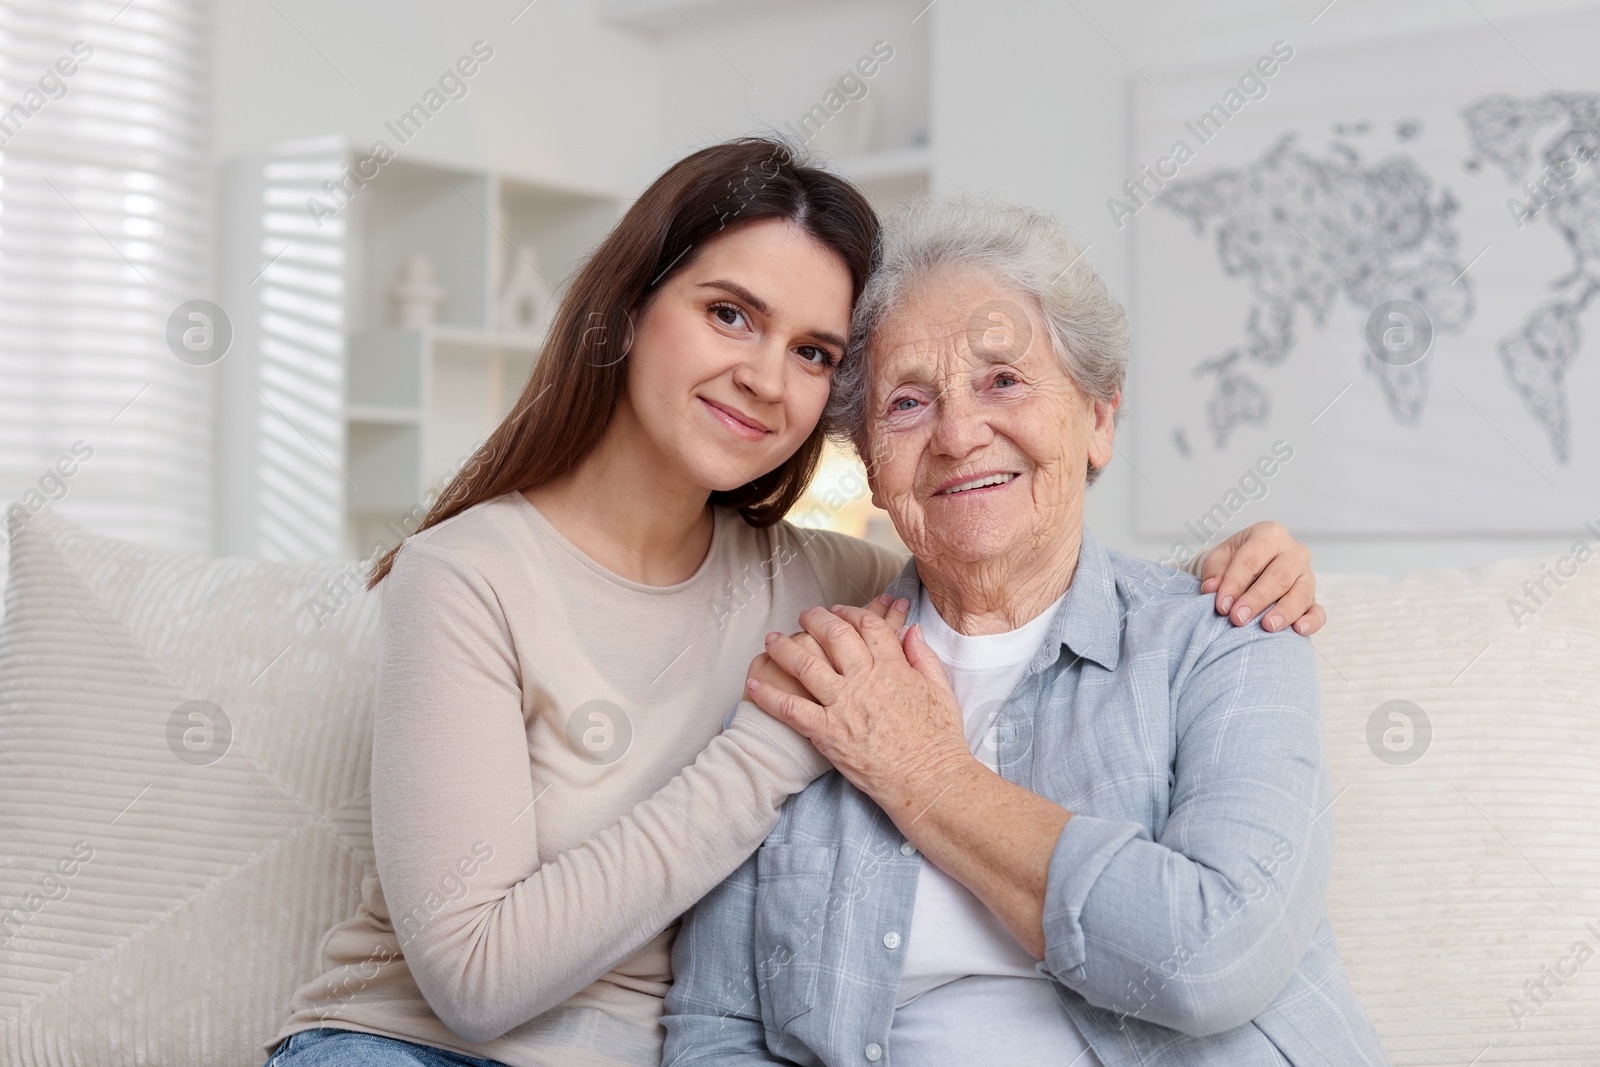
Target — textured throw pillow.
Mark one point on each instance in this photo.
(184, 748)
(1466, 889)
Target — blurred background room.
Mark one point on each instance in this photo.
(271, 270)
(379, 203)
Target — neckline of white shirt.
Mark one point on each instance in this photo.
(984, 651)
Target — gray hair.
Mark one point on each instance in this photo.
(1024, 250)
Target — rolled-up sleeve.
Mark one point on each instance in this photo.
(1202, 927)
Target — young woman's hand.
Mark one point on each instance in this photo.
(762, 668)
(1259, 567)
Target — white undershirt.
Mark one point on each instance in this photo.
(968, 991)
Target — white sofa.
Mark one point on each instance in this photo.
(164, 885)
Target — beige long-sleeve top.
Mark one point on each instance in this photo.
(552, 785)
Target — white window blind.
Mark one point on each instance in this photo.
(282, 494)
(105, 228)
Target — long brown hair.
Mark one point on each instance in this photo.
(569, 399)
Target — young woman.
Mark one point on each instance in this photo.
(556, 775)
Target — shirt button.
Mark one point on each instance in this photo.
(908, 849)
(891, 940)
(874, 1051)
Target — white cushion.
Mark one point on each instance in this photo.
(1461, 875)
(207, 887)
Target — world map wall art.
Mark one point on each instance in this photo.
(1382, 262)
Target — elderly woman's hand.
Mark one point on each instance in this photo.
(762, 668)
(1259, 566)
(877, 704)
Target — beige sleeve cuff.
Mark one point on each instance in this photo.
(784, 742)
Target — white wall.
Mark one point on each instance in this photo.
(763, 69)
(567, 97)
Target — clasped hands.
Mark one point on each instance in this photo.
(870, 695)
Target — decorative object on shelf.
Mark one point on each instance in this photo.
(416, 296)
(526, 301)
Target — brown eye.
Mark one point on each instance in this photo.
(728, 314)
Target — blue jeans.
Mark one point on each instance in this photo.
(330, 1047)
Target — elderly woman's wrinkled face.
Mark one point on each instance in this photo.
(979, 442)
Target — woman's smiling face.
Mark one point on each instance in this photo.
(981, 441)
(733, 355)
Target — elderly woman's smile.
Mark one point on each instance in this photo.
(988, 480)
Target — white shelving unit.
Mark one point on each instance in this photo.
(335, 423)
(418, 402)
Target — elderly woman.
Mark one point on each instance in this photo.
(1077, 818)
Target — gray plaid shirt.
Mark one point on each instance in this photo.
(1184, 918)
